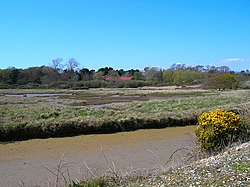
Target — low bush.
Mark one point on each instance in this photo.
(245, 85)
(218, 129)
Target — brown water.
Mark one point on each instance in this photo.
(29, 162)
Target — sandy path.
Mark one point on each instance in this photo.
(25, 162)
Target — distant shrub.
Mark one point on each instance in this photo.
(218, 129)
(222, 81)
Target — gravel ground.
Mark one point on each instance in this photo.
(229, 168)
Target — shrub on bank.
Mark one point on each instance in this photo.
(218, 129)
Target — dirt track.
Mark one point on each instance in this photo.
(29, 162)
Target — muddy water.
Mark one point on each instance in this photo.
(29, 162)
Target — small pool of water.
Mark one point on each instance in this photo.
(35, 95)
(124, 96)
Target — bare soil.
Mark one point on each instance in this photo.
(29, 162)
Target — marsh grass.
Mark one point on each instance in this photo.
(24, 118)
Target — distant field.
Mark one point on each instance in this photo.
(107, 110)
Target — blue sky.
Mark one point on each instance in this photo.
(125, 34)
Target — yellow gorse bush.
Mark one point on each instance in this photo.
(217, 128)
(220, 119)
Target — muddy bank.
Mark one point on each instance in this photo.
(26, 132)
(26, 162)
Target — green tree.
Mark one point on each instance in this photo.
(86, 74)
(98, 75)
(9, 76)
(223, 81)
(113, 73)
(137, 75)
(105, 70)
(167, 75)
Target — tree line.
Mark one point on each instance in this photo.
(70, 75)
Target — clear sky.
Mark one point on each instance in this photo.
(125, 34)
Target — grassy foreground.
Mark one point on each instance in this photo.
(24, 118)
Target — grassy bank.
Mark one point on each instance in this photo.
(24, 118)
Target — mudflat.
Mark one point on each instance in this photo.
(30, 162)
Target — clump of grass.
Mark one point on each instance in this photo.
(242, 167)
(97, 182)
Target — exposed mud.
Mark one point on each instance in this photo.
(26, 162)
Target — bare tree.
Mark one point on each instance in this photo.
(72, 64)
(153, 73)
(199, 68)
(56, 63)
(178, 66)
(72, 70)
(224, 69)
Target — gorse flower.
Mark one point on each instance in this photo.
(217, 128)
